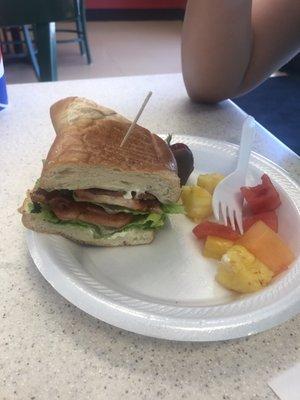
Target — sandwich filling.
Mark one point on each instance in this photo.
(105, 212)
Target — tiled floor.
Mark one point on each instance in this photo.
(118, 48)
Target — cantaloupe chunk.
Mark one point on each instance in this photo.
(267, 246)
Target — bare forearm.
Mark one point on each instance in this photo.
(216, 47)
(230, 46)
(276, 39)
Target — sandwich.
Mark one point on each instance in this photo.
(95, 192)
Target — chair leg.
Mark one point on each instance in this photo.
(79, 26)
(80, 36)
(31, 50)
(84, 33)
(6, 32)
(15, 35)
(6, 39)
(46, 47)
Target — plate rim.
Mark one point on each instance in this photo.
(172, 327)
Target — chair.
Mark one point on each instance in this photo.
(17, 43)
(80, 20)
(42, 14)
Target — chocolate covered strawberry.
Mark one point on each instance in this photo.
(184, 158)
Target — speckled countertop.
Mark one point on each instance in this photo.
(51, 350)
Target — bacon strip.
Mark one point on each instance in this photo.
(71, 210)
(66, 209)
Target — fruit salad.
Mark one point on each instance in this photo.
(248, 262)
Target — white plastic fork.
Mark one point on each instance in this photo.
(227, 195)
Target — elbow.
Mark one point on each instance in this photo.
(201, 88)
(206, 95)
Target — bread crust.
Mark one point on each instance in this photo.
(88, 138)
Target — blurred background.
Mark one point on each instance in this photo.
(44, 40)
(125, 37)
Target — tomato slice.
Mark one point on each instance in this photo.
(208, 228)
(263, 197)
(269, 218)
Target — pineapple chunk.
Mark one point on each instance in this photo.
(209, 181)
(197, 202)
(242, 272)
(216, 247)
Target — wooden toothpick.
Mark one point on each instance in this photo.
(136, 118)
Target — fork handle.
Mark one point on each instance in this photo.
(247, 137)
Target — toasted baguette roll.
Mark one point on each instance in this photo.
(86, 153)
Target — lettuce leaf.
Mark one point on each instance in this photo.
(37, 184)
(49, 216)
(150, 221)
(173, 208)
(34, 208)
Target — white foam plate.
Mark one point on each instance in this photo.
(168, 289)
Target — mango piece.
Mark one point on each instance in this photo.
(267, 246)
(242, 272)
(209, 181)
(216, 247)
(197, 202)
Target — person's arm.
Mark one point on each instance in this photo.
(230, 46)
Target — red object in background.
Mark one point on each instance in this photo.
(135, 4)
(263, 197)
(269, 218)
(208, 228)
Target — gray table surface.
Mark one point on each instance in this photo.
(51, 350)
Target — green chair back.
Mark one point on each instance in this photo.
(23, 12)
(42, 14)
